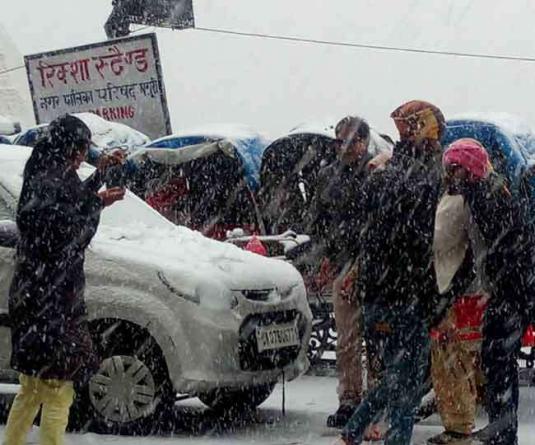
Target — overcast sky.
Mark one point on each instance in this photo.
(274, 85)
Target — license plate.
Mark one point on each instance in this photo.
(277, 336)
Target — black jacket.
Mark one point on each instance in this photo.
(57, 216)
(333, 216)
(397, 227)
(504, 222)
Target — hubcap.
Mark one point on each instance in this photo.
(123, 389)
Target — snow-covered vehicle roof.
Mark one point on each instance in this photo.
(8, 126)
(509, 141)
(378, 143)
(105, 134)
(246, 143)
(133, 231)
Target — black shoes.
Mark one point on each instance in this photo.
(341, 416)
(450, 438)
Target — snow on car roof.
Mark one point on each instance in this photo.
(105, 134)
(221, 131)
(112, 134)
(377, 142)
(321, 128)
(516, 129)
(509, 122)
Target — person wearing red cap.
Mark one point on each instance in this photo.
(456, 341)
(395, 280)
(507, 232)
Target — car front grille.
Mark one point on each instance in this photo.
(257, 295)
(250, 358)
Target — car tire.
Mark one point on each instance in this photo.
(237, 400)
(131, 393)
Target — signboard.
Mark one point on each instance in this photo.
(119, 80)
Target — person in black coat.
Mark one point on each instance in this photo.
(331, 222)
(57, 216)
(395, 279)
(331, 217)
(506, 226)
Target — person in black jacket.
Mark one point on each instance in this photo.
(395, 280)
(57, 216)
(504, 221)
(331, 224)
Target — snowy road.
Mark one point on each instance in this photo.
(308, 401)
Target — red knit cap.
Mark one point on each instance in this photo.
(469, 154)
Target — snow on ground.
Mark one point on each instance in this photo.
(308, 402)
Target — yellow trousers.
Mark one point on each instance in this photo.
(457, 380)
(54, 397)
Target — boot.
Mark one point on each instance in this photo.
(341, 416)
(451, 438)
(427, 408)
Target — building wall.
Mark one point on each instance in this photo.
(15, 99)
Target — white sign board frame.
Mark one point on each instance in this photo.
(119, 80)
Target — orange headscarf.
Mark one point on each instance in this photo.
(418, 120)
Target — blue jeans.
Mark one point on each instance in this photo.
(504, 324)
(402, 338)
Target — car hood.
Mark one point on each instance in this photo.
(195, 267)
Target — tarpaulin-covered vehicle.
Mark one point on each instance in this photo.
(290, 166)
(205, 180)
(106, 135)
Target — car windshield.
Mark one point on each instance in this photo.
(131, 211)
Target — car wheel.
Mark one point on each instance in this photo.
(246, 399)
(131, 389)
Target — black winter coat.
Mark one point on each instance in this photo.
(334, 212)
(504, 223)
(57, 216)
(397, 227)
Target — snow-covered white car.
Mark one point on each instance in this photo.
(171, 312)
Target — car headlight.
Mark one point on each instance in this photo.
(193, 299)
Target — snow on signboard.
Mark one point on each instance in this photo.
(119, 80)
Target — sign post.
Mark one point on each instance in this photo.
(119, 80)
